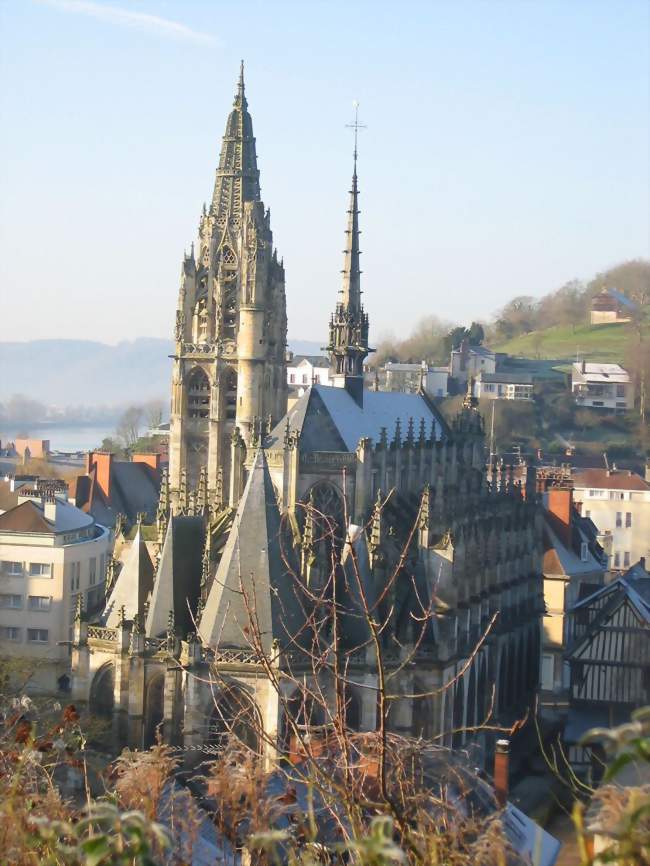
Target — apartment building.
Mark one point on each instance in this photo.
(618, 502)
(51, 553)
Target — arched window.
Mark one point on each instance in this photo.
(153, 710)
(234, 717)
(227, 256)
(102, 692)
(198, 394)
(230, 387)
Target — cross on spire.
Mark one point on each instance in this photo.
(356, 126)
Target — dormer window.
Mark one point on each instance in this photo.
(584, 551)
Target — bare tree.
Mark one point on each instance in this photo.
(128, 427)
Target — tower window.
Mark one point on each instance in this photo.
(198, 394)
(228, 256)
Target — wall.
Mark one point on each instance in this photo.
(634, 539)
(50, 659)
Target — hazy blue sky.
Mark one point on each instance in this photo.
(506, 151)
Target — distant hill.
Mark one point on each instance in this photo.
(82, 372)
(596, 342)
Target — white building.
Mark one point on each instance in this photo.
(50, 554)
(469, 361)
(504, 385)
(618, 502)
(306, 370)
(602, 386)
(408, 378)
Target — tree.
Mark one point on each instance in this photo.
(128, 427)
(476, 334)
(153, 411)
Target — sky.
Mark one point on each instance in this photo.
(506, 152)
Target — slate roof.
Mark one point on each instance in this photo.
(320, 361)
(133, 583)
(507, 377)
(253, 575)
(329, 419)
(134, 489)
(596, 372)
(178, 579)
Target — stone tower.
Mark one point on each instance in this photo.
(348, 331)
(231, 324)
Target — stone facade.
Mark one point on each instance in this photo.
(229, 358)
(368, 495)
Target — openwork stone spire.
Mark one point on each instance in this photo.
(238, 178)
(348, 331)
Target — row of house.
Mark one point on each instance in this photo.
(494, 375)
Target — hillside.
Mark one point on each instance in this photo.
(594, 342)
(87, 373)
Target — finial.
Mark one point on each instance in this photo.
(240, 85)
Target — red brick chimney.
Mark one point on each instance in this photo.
(502, 771)
(560, 505)
(102, 461)
(152, 460)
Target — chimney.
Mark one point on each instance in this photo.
(102, 461)
(560, 505)
(152, 460)
(49, 508)
(501, 771)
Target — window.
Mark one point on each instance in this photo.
(628, 519)
(40, 569)
(75, 574)
(584, 551)
(317, 378)
(617, 560)
(92, 570)
(620, 390)
(9, 632)
(626, 559)
(14, 602)
(305, 378)
(39, 602)
(619, 519)
(37, 635)
(14, 569)
(547, 672)
(614, 494)
(102, 567)
(292, 378)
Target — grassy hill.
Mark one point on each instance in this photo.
(594, 342)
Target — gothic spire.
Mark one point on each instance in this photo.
(348, 340)
(238, 178)
(351, 290)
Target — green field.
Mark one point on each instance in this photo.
(592, 342)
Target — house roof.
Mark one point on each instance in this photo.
(601, 373)
(319, 361)
(330, 419)
(613, 479)
(26, 517)
(29, 517)
(8, 497)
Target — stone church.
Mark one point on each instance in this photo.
(286, 536)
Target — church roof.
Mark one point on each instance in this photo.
(330, 419)
(133, 583)
(253, 578)
(178, 578)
